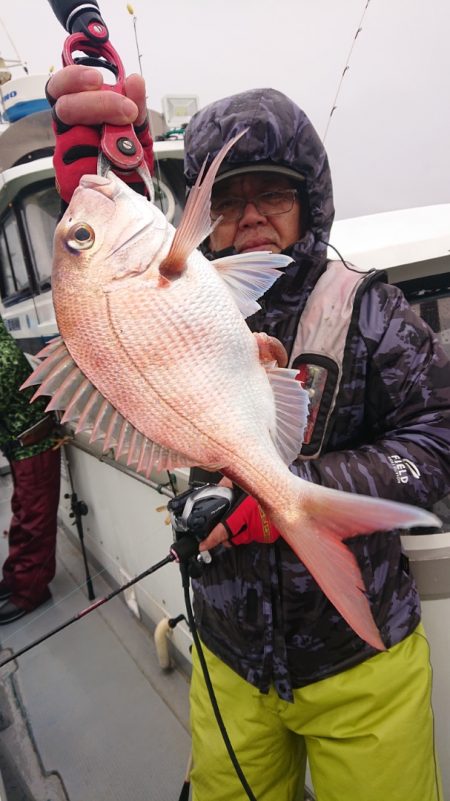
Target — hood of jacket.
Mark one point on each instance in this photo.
(279, 134)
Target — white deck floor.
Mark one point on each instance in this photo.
(100, 711)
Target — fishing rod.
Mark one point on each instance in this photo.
(79, 615)
(130, 10)
(344, 72)
(79, 17)
(194, 513)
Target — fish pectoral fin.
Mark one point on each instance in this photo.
(270, 350)
(291, 407)
(195, 224)
(250, 275)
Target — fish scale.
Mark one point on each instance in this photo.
(203, 367)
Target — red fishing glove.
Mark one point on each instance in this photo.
(249, 523)
(76, 152)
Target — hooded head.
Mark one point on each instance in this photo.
(280, 138)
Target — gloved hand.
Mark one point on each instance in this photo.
(248, 523)
(79, 108)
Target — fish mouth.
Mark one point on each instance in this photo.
(107, 187)
(111, 189)
(115, 191)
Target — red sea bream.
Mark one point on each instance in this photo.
(156, 360)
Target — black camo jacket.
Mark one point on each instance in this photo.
(257, 606)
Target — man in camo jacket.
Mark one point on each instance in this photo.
(27, 441)
(379, 424)
(293, 681)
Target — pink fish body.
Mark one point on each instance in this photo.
(158, 362)
(172, 357)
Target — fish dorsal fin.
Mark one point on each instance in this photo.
(291, 404)
(82, 404)
(250, 275)
(195, 224)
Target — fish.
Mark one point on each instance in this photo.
(156, 361)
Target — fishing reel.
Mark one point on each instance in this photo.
(193, 515)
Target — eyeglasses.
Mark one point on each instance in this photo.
(268, 204)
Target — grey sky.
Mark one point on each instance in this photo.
(388, 137)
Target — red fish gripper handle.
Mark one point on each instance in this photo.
(119, 143)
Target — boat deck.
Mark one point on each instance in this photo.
(88, 714)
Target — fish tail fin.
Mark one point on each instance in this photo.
(326, 518)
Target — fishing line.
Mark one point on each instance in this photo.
(150, 126)
(346, 68)
(158, 178)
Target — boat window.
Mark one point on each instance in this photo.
(164, 199)
(8, 286)
(429, 296)
(41, 210)
(432, 302)
(169, 184)
(436, 312)
(14, 276)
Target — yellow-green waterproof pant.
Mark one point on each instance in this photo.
(367, 733)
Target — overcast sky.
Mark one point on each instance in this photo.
(388, 138)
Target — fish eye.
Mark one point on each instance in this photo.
(81, 237)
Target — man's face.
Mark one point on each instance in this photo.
(255, 230)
